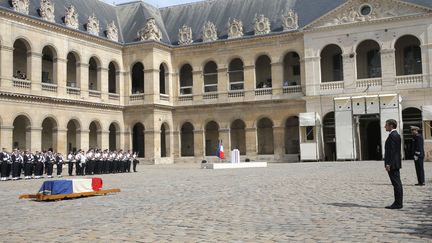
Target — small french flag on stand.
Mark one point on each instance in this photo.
(220, 151)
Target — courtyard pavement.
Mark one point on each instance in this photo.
(300, 202)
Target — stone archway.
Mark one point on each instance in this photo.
(265, 136)
(211, 138)
(238, 136)
(21, 133)
(138, 144)
(73, 136)
(49, 134)
(187, 140)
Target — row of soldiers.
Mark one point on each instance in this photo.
(35, 165)
(96, 161)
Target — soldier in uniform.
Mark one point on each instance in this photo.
(418, 154)
(28, 165)
(83, 163)
(4, 160)
(49, 163)
(17, 160)
(135, 161)
(89, 162)
(39, 165)
(59, 163)
(71, 161)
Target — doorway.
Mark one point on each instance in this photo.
(369, 132)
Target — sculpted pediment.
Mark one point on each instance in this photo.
(368, 10)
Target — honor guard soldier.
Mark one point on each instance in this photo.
(89, 162)
(128, 161)
(71, 161)
(39, 165)
(105, 156)
(4, 167)
(28, 165)
(135, 161)
(59, 163)
(17, 161)
(83, 163)
(49, 163)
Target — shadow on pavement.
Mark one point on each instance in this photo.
(423, 213)
(350, 205)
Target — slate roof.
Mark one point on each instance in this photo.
(131, 17)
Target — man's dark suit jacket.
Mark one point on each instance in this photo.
(392, 155)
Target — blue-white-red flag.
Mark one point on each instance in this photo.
(220, 151)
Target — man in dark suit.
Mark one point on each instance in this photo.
(393, 162)
(418, 154)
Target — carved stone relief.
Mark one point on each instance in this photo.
(112, 32)
(235, 29)
(71, 17)
(21, 6)
(290, 20)
(47, 10)
(262, 25)
(93, 25)
(209, 32)
(185, 35)
(150, 31)
(368, 10)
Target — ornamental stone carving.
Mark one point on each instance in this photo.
(150, 31)
(21, 6)
(185, 35)
(235, 29)
(290, 20)
(47, 10)
(93, 25)
(262, 25)
(209, 32)
(369, 10)
(71, 17)
(112, 32)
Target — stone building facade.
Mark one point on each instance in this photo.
(171, 83)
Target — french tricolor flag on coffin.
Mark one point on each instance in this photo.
(70, 186)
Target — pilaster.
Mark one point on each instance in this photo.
(34, 64)
(388, 69)
(249, 84)
(199, 144)
(6, 137)
(251, 142)
(277, 77)
(35, 141)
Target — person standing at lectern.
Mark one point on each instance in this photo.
(393, 162)
(418, 154)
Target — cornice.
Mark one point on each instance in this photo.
(363, 23)
(59, 27)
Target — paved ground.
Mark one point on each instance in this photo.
(312, 202)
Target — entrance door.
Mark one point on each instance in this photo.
(370, 137)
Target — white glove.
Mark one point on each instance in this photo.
(415, 157)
